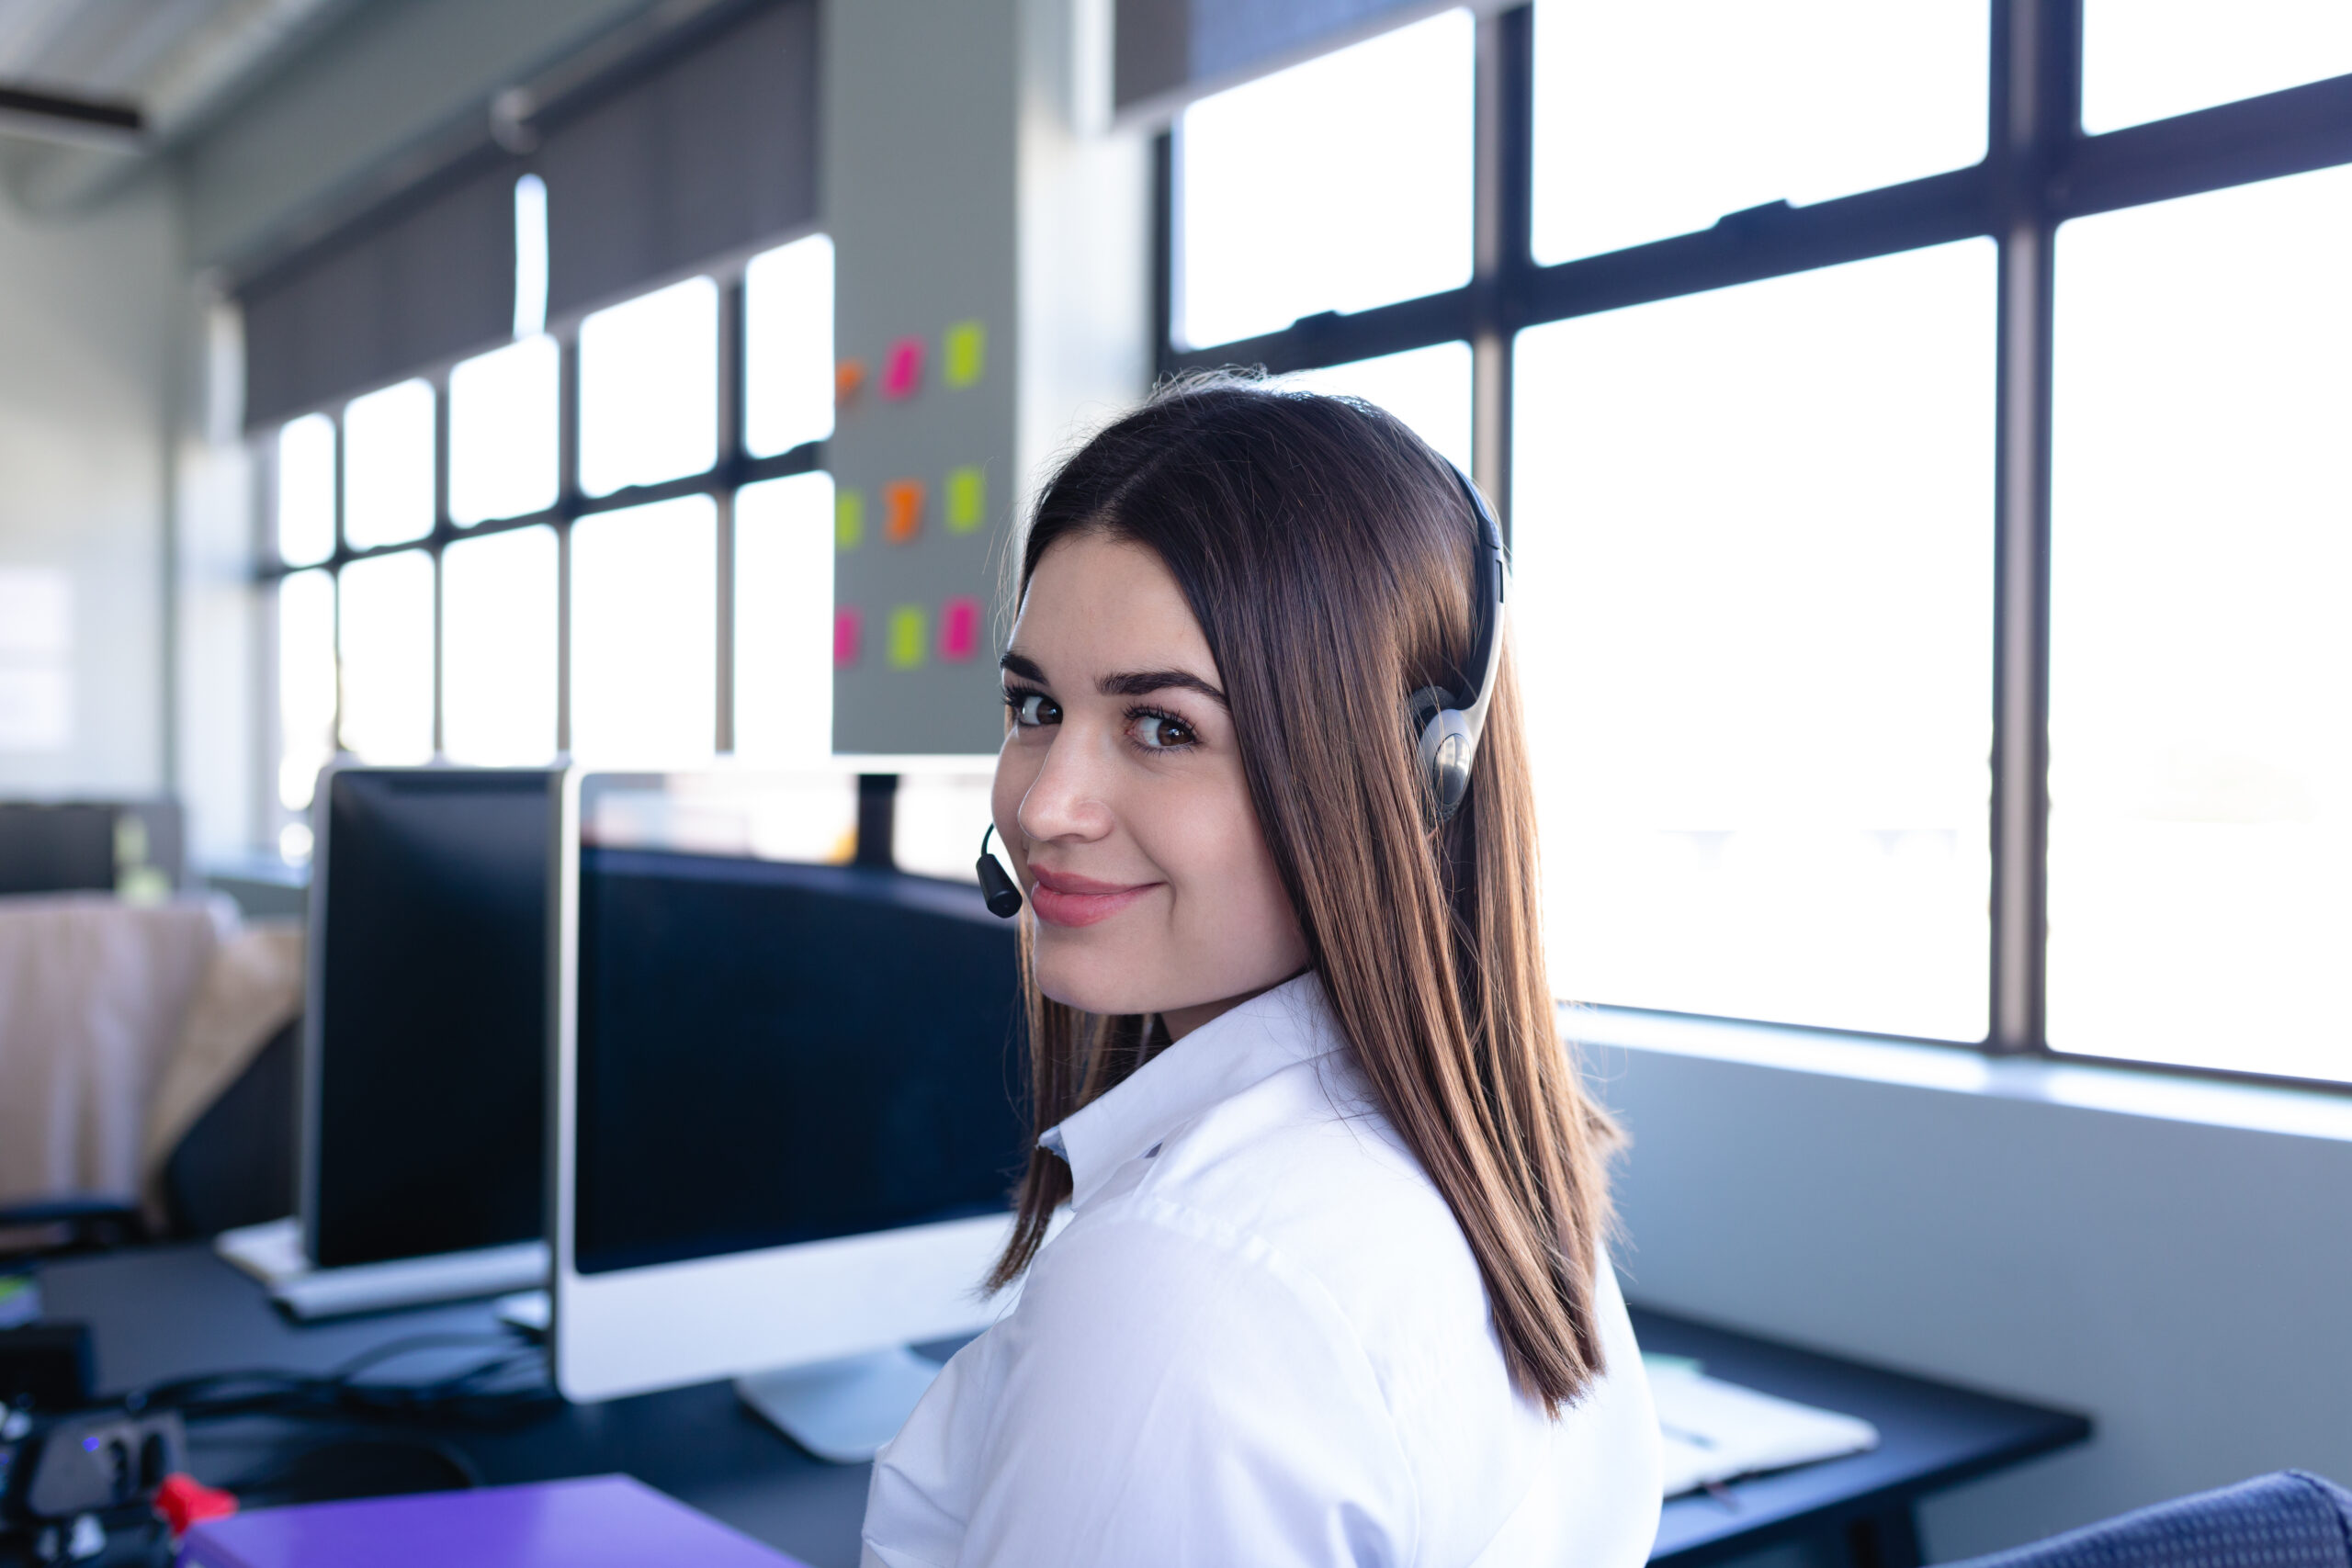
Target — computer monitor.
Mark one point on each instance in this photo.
(788, 1114)
(424, 1029)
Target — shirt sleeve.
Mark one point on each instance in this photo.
(1174, 1396)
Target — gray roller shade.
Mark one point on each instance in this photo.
(429, 277)
(706, 153)
(1168, 53)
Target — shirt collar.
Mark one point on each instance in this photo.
(1291, 1023)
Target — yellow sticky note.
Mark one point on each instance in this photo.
(907, 625)
(968, 499)
(849, 519)
(963, 352)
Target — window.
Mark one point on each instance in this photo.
(1928, 563)
(2146, 59)
(648, 388)
(1337, 185)
(503, 432)
(387, 467)
(1757, 522)
(1658, 119)
(2200, 770)
(498, 647)
(644, 620)
(411, 626)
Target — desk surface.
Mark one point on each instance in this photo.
(169, 1312)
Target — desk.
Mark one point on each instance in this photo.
(169, 1312)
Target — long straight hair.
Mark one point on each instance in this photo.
(1327, 553)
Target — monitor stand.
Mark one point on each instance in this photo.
(841, 1411)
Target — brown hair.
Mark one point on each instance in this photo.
(1327, 553)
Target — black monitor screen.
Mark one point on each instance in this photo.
(772, 1052)
(431, 1044)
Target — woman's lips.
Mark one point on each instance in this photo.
(1061, 899)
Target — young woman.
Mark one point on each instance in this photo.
(1332, 1289)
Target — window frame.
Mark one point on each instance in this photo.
(734, 468)
(2039, 170)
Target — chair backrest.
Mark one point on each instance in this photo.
(2289, 1520)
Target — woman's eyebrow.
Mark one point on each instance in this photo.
(1143, 682)
(1022, 666)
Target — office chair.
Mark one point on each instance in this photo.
(2289, 1519)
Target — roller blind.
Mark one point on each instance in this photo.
(702, 154)
(429, 277)
(1165, 53)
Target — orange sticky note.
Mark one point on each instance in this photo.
(901, 510)
(848, 377)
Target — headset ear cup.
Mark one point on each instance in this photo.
(1446, 750)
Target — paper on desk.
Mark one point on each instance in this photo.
(1714, 1431)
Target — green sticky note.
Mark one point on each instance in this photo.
(908, 643)
(963, 352)
(849, 519)
(968, 499)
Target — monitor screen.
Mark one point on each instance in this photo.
(430, 1096)
(772, 1052)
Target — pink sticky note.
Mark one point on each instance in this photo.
(902, 368)
(848, 629)
(959, 629)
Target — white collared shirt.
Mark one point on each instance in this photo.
(1260, 1339)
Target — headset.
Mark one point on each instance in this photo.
(1447, 727)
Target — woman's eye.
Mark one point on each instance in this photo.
(1031, 709)
(1162, 732)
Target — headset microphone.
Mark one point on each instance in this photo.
(996, 883)
(1448, 727)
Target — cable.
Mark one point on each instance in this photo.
(503, 1386)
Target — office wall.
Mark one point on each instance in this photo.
(2184, 1282)
(85, 349)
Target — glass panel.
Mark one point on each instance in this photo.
(1337, 185)
(1429, 389)
(788, 346)
(2147, 60)
(385, 636)
(1656, 118)
(306, 683)
(783, 618)
(645, 632)
(2200, 829)
(1754, 549)
(388, 466)
(530, 256)
(498, 647)
(305, 490)
(648, 388)
(503, 436)
(938, 817)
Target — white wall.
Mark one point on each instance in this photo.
(2169, 1258)
(85, 353)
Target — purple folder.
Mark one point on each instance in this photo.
(597, 1521)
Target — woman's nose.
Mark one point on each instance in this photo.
(1069, 799)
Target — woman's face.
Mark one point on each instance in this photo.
(1120, 795)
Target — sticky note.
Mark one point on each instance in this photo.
(959, 629)
(848, 377)
(906, 628)
(849, 632)
(968, 499)
(849, 519)
(901, 510)
(963, 352)
(902, 368)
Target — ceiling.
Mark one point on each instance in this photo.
(179, 62)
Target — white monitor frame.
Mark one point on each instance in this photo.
(632, 1331)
